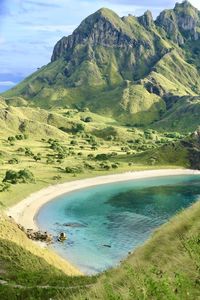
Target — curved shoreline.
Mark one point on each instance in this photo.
(25, 211)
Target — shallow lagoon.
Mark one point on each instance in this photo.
(105, 222)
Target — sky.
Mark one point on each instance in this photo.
(29, 29)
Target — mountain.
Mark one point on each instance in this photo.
(135, 69)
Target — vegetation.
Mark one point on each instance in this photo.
(127, 103)
(98, 147)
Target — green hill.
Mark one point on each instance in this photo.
(166, 267)
(128, 68)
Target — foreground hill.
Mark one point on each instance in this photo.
(185, 152)
(136, 70)
(166, 267)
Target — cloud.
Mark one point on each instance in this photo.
(7, 83)
(43, 4)
(144, 3)
(53, 28)
(152, 4)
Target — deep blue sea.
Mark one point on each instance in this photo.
(105, 222)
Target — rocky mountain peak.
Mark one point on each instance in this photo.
(147, 19)
(104, 27)
(181, 23)
(183, 4)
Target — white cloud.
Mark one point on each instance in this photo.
(7, 83)
(53, 28)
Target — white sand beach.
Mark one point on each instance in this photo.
(25, 211)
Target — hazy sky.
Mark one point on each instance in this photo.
(30, 28)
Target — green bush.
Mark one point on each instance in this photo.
(13, 161)
(73, 170)
(102, 156)
(22, 176)
(11, 139)
(4, 187)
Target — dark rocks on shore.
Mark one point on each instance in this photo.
(42, 236)
(39, 235)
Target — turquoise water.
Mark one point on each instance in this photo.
(108, 221)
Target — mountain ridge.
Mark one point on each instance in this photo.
(129, 67)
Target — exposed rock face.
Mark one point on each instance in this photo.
(107, 29)
(181, 23)
(100, 29)
(167, 20)
(147, 19)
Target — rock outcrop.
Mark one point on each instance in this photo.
(181, 23)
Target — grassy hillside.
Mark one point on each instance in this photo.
(59, 145)
(156, 270)
(30, 272)
(64, 144)
(185, 153)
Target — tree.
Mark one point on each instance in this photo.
(11, 139)
(102, 156)
(78, 128)
(4, 187)
(37, 157)
(13, 161)
(22, 176)
(88, 120)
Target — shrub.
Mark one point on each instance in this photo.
(21, 150)
(73, 143)
(11, 139)
(114, 166)
(13, 161)
(57, 177)
(78, 128)
(88, 120)
(22, 176)
(50, 160)
(73, 170)
(102, 156)
(19, 137)
(89, 166)
(37, 157)
(4, 187)
(28, 152)
(106, 167)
